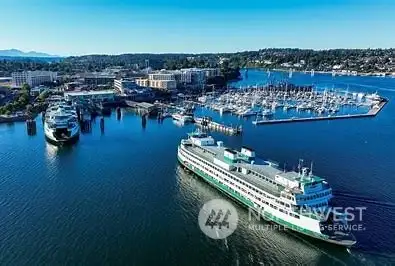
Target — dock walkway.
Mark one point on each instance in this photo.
(372, 112)
(206, 122)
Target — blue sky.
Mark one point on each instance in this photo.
(71, 27)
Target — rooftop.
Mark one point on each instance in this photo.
(211, 152)
(80, 93)
(258, 169)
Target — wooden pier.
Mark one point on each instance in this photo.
(207, 123)
(372, 112)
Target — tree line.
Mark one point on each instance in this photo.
(361, 60)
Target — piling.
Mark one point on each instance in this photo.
(144, 120)
(43, 116)
(31, 127)
(119, 114)
(160, 118)
(85, 126)
(102, 124)
(78, 113)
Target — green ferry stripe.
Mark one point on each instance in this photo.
(249, 203)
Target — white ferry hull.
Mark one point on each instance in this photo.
(307, 227)
(71, 137)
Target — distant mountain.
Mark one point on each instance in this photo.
(18, 53)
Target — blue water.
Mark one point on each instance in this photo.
(120, 197)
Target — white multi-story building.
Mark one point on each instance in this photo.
(212, 72)
(198, 75)
(162, 75)
(170, 79)
(32, 78)
(122, 85)
(142, 82)
(104, 95)
(163, 84)
(183, 77)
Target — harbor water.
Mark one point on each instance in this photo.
(119, 197)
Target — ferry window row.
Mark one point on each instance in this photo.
(196, 160)
(315, 196)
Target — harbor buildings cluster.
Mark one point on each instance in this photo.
(32, 78)
(130, 89)
(170, 80)
(124, 85)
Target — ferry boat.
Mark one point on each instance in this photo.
(294, 200)
(61, 124)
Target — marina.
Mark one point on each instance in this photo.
(372, 113)
(274, 104)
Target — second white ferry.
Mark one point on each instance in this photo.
(61, 124)
(297, 201)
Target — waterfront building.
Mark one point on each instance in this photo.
(168, 85)
(141, 94)
(161, 75)
(32, 78)
(171, 79)
(142, 82)
(104, 95)
(182, 77)
(212, 72)
(98, 79)
(200, 75)
(162, 80)
(70, 86)
(124, 85)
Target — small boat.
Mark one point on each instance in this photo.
(247, 112)
(182, 117)
(267, 113)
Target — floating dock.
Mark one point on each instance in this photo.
(206, 122)
(372, 112)
(143, 107)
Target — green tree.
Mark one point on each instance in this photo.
(26, 88)
(29, 109)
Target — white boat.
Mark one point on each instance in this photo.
(373, 97)
(61, 124)
(297, 201)
(246, 112)
(182, 117)
(267, 113)
(224, 109)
